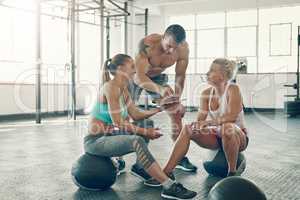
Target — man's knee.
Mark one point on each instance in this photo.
(228, 131)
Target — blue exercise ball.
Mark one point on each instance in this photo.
(218, 166)
(92, 172)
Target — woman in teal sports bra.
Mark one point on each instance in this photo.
(111, 133)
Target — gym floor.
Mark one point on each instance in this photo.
(35, 160)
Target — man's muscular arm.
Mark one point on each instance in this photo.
(180, 69)
(142, 65)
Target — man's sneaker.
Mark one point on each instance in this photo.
(186, 165)
(232, 174)
(178, 191)
(139, 172)
(121, 166)
(154, 183)
(241, 165)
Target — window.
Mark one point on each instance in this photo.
(17, 49)
(242, 41)
(242, 18)
(55, 50)
(215, 20)
(28, 4)
(203, 65)
(89, 60)
(24, 36)
(191, 67)
(210, 43)
(190, 38)
(192, 54)
(6, 47)
(187, 22)
(55, 41)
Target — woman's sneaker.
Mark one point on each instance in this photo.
(178, 191)
(120, 166)
(186, 165)
(154, 183)
(139, 172)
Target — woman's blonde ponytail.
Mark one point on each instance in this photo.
(105, 72)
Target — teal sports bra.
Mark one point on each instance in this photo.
(101, 111)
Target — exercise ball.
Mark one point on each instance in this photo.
(236, 188)
(218, 165)
(94, 172)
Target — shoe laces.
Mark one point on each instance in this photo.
(185, 160)
(179, 188)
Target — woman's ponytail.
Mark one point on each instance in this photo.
(105, 73)
(111, 65)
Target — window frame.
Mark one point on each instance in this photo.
(290, 40)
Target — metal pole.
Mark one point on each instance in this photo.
(196, 43)
(73, 67)
(126, 29)
(226, 36)
(77, 42)
(38, 64)
(119, 7)
(146, 33)
(107, 38)
(101, 35)
(146, 21)
(257, 41)
(298, 80)
(117, 15)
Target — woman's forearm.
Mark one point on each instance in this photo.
(147, 113)
(129, 127)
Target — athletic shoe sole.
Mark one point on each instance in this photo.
(151, 185)
(121, 172)
(171, 197)
(144, 180)
(185, 169)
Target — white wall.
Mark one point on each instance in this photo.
(266, 90)
(20, 98)
(258, 90)
(205, 6)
